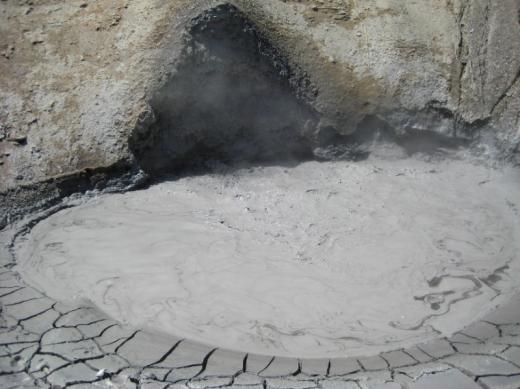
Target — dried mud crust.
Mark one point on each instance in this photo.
(44, 343)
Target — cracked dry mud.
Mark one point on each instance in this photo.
(71, 343)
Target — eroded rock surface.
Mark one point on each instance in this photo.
(77, 77)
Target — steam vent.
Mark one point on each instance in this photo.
(260, 194)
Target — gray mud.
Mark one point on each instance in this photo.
(318, 260)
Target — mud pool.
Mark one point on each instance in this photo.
(317, 260)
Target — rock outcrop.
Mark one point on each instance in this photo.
(78, 79)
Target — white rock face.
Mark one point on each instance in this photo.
(317, 260)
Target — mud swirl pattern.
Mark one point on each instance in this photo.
(318, 260)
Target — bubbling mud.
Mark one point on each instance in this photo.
(318, 260)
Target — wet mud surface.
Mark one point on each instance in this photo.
(318, 260)
(62, 337)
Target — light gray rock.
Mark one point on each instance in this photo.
(373, 64)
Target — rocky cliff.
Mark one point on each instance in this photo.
(84, 84)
